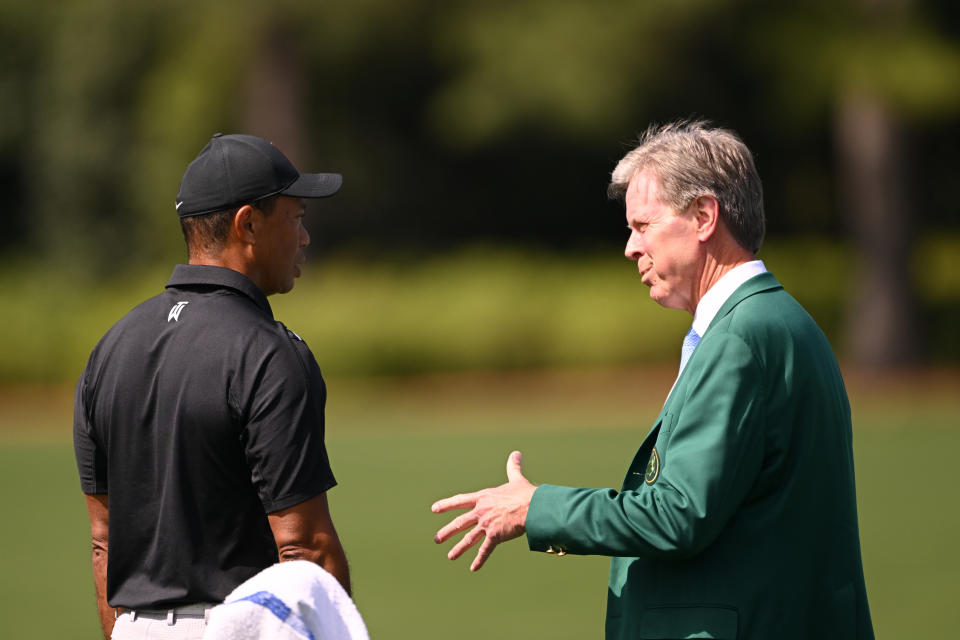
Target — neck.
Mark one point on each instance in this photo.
(717, 264)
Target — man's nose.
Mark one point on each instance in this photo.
(632, 250)
(304, 237)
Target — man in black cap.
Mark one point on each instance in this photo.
(199, 419)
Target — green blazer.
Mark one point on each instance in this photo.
(737, 518)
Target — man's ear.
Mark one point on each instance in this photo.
(706, 209)
(245, 225)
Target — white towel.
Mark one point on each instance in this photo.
(293, 600)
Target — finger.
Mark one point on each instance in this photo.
(465, 543)
(514, 470)
(458, 524)
(459, 501)
(486, 549)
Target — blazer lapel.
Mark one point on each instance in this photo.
(757, 284)
(753, 286)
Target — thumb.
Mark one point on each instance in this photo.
(514, 470)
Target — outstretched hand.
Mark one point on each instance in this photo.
(497, 514)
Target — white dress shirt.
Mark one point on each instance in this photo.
(718, 294)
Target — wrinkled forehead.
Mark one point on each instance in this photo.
(644, 187)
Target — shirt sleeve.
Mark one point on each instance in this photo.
(90, 455)
(283, 432)
(710, 452)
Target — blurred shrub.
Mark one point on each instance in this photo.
(478, 308)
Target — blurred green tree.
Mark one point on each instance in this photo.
(464, 121)
(583, 67)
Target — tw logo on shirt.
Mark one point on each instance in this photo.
(175, 311)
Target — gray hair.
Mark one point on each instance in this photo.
(692, 159)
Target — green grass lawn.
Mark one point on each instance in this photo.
(399, 444)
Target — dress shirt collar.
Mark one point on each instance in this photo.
(714, 298)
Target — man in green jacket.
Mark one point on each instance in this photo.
(737, 517)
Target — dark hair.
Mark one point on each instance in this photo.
(206, 234)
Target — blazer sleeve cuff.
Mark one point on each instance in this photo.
(545, 530)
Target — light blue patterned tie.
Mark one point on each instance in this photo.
(690, 342)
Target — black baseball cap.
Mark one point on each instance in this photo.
(237, 169)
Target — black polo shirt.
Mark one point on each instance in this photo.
(198, 414)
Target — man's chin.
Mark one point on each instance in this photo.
(286, 287)
(658, 296)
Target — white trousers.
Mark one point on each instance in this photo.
(182, 623)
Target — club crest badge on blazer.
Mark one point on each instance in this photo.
(653, 468)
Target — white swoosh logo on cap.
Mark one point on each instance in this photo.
(178, 204)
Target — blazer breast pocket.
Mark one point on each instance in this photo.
(676, 623)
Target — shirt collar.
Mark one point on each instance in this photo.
(713, 299)
(201, 274)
